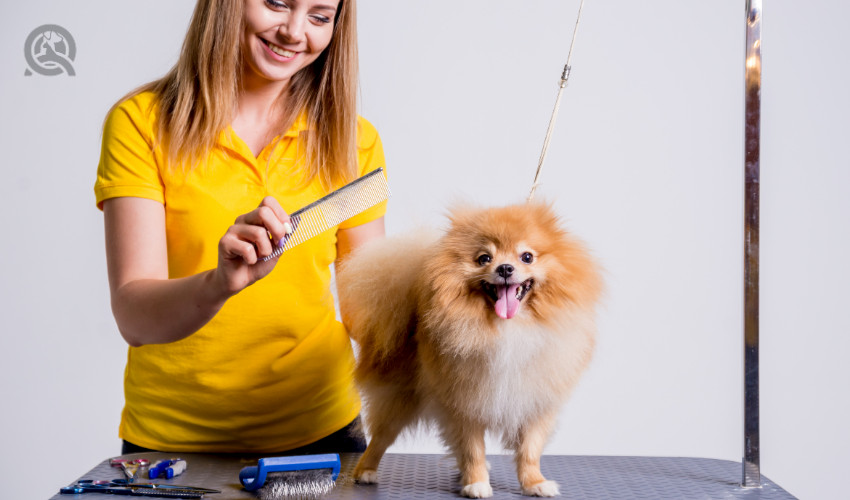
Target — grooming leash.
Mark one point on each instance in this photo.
(565, 75)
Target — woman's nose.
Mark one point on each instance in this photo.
(293, 27)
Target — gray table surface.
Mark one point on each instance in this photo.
(421, 476)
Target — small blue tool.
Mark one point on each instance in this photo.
(167, 468)
(276, 469)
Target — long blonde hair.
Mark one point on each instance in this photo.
(196, 100)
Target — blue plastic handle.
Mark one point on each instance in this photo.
(253, 478)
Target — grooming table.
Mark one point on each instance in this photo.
(426, 477)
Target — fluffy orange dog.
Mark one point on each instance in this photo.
(486, 328)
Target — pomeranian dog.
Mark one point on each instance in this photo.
(486, 328)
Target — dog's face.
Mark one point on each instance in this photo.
(510, 262)
(507, 274)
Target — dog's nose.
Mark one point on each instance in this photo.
(505, 270)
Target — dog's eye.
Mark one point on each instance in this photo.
(484, 259)
(527, 257)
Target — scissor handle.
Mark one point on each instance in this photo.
(91, 488)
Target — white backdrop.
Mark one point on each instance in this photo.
(646, 165)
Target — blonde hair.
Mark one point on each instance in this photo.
(196, 100)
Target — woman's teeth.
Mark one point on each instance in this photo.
(280, 51)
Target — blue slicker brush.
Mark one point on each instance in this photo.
(305, 476)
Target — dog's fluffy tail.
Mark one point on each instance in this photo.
(375, 286)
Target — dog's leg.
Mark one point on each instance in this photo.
(384, 425)
(528, 446)
(467, 443)
(366, 471)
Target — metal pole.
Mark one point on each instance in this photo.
(752, 128)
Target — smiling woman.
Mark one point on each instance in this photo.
(281, 39)
(256, 118)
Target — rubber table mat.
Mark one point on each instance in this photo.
(426, 477)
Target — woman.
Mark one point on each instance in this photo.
(257, 118)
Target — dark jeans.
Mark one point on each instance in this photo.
(349, 439)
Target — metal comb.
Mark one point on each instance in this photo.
(333, 209)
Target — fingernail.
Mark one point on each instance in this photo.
(287, 227)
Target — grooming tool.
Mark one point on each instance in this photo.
(118, 463)
(130, 467)
(158, 468)
(177, 468)
(334, 208)
(159, 486)
(167, 468)
(292, 477)
(124, 487)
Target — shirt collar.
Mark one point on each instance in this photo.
(227, 137)
(299, 125)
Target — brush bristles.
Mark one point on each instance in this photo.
(297, 485)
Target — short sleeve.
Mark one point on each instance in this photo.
(128, 164)
(370, 156)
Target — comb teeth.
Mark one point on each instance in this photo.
(333, 209)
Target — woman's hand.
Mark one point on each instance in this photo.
(252, 237)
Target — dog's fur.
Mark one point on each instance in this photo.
(434, 347)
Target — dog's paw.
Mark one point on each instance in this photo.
(367, 476)
(542, 489)
(477, 490)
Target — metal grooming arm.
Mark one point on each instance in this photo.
(752, 129)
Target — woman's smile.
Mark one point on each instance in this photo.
(284, 54)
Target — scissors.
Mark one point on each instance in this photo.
(130, 467)
(124, 487)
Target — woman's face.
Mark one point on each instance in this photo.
(281, 37)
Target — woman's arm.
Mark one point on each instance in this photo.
(152, 309)
(349, 239)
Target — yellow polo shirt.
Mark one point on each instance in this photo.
(273, 369)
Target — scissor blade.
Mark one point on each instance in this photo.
(171, 487)
(122, 490)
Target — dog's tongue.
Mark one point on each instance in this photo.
(507, 304)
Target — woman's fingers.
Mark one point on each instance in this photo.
(268, 220)
(246, 241)
(271, 216)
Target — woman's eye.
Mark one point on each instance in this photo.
(321, 19)
(275, 4)
(527, 258)
(484, 259)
